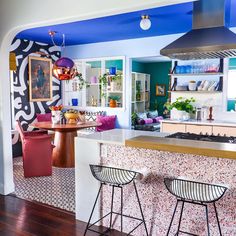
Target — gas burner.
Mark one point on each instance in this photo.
(203, 137)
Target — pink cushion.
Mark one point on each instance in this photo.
(44, 117)
(108, 122)
(148, 121)
(157, 119)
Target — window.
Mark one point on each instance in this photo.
(232, 84)
(231, 91)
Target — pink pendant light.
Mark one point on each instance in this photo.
(63, 68)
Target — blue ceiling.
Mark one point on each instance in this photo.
(165, 20)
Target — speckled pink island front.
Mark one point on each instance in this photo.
(158, 204)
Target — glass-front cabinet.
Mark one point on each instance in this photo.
(103, 84)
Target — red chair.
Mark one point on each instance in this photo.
(37, 152)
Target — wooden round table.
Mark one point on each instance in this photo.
(63, 154)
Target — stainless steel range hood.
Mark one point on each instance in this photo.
(209, 37)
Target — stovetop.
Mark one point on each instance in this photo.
(203, 137)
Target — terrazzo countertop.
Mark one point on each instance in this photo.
(202, 122)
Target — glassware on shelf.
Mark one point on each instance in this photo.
(177, 69)
(212, 68)
(197, 67)
(188, 69)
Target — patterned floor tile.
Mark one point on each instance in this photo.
(57, 190)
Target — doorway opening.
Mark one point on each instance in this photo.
(150, 86)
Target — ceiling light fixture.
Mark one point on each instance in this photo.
(52, 34)
(64, 67)
(145, 23)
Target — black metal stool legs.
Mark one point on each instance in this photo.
(116, 178)
(145, 226)
(121, 210)
(180, 218)
(112, 197)
(120, 214)
(90, 217)
(172, 218)
(208, 228)
(181, 214)
(192, 192)
(218, 222)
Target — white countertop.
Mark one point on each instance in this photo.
(202, 122)
(118, 136)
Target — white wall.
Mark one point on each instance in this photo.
(19, 15)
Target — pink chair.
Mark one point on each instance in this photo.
(37, 152)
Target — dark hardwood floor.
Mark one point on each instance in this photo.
(25, 218)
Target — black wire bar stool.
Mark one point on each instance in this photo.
(116, 178)
(195, 193)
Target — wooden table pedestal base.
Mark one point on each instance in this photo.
(63, 153)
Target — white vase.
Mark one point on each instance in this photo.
(103, 102)
(179, 115)
(56, 117)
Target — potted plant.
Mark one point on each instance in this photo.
(79, 82)
(134, 118)
(181, 108)
(113, 99)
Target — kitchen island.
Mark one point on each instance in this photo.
(157, 157)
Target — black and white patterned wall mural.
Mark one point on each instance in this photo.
(24, 110)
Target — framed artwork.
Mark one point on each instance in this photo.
(160, 90)
(40, 79)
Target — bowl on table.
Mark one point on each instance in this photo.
(72, 118)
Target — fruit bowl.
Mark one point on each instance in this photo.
(72, 118)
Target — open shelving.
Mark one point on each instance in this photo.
(140, 92)
(183, 77)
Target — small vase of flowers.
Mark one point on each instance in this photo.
(56, 113)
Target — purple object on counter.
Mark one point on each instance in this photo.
(93, 80)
